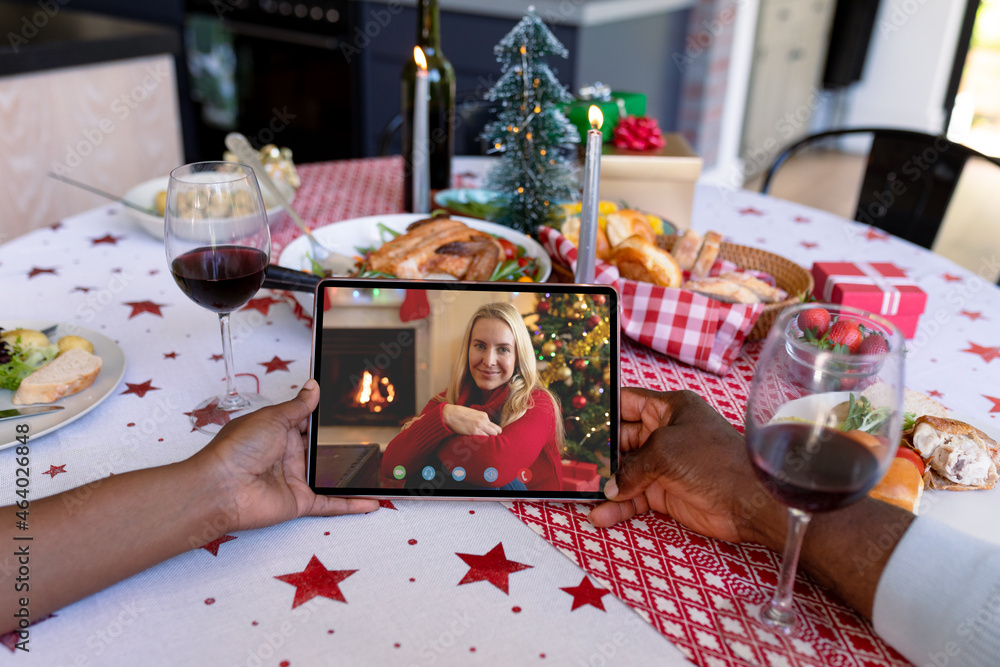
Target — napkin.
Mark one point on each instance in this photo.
(682, 324)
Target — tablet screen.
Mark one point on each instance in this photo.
(464, 390)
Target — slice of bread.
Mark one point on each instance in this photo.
(638, 259)
(70, 372)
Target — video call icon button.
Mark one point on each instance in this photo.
(458, 474)
(427, 473)
(399, 472)
(524, 475)
(490, 474)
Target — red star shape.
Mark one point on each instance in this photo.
(971, 315)
(996, 403)
(55, 470)
(56, 226)
(875, 235)
(315, 581)
(262, 304)
(215, 357)
(276, 364)
(951, 278)
(37, 271)
(210, 414)
(800, 218)
(213, 546)
(139, 307)
(387, 504)
(750, 210)
(935, 393)
(492, 567)
(987, 353)
(169, 355)
(586, 593)
(107, 238)
(809, 245)
(82, 289)
(140, 389)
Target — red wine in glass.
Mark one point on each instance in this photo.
(222, 278)
(811, 468)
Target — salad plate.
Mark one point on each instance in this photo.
(76, 405)
(353, 237)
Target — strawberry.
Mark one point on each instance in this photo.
(815, 319)
(873, 344)
(845, 333)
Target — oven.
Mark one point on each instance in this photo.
(276, 71)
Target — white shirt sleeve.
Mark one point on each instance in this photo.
(938, 601)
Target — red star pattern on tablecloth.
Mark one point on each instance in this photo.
(213, 546)
(800, 218)
(140, 389)
(263, 304)
(276, 364)
(56, 226)
(750, 210)
(987, 353)
(935, 393)
(876, 235)
(11, 639)
(586, 593)
(139, 307)
(492, 567)
(107, 238)
(951, 278)
(55, 470)
(169, 355)
(216, 357)
(808, 245)
(36, 271)
(971, 315)
(996, 403)
(210, 414)
(82, 289)
(315, 581)
(385, 503)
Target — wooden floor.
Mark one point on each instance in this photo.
(969, 236)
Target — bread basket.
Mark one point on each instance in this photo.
(788, 275)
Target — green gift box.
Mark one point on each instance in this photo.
(620, 105)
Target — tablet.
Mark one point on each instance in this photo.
(446, 389)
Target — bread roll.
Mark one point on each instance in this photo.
(722, 290)
(706, 256)
(70, 372)
(685, 250)
(627, 222)
(639, 259)
(902, 486)
(571, 230)
(765, 292)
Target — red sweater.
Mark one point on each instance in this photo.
(528, 442)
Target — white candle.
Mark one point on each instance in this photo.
(586, 256)
(421, 159)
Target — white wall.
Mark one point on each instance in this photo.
(908, 66)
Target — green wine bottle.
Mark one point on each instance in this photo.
(441, 116)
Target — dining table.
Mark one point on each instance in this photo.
(426, 582)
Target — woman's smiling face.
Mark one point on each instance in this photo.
(492, 355)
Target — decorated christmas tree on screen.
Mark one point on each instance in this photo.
(571, 337)
(535, 139)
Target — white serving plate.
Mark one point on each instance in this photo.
(347, 235)
(75, 406)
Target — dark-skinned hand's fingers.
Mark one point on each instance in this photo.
(610, 513)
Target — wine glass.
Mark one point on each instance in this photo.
(823, 423)
(218, 247)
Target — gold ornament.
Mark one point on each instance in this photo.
(564, 373)
(607, 376)
(549, 348)
(580, 305)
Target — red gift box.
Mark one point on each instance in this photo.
(580, 476)
(877, 287)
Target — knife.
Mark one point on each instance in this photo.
(14, 413)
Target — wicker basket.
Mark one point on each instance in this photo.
(788, 275)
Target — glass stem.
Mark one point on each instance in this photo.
(232, 400)
(778, 613)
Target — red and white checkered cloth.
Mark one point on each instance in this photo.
(679, 323)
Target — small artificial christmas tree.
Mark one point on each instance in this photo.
(573, 348)
(537, 168)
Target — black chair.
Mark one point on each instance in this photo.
(909, 179)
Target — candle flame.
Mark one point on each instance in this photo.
(596, 117)
(418, 55)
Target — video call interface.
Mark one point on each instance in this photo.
(385, 356)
